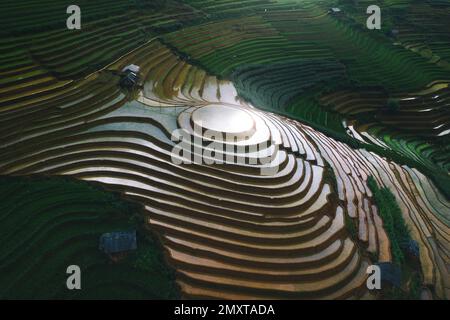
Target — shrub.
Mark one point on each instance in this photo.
(351, 227)
(150, 4)
(393, 105)
(394, 224)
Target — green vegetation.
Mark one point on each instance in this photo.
(429, 18)
(287, 54)
(393, 105)
(38, 35)
(368, 89)
(399, 237)
(393, 221)
(274, 86)
(24, 16)
(304, 52)
(350, 225)
(411, 287)
(48, 224)
(150, 4)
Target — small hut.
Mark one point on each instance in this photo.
(394, 33)
(335, 11)
(129, 80)
(390, 274)
(131, 68)
(117, 245)
(130, 76)
(412, 250)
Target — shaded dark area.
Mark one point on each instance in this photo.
(51, 223)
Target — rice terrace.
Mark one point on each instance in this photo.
(225, 149)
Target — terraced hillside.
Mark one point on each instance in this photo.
(49, 224)
(303, 36)
(288, 212)
(418, 128)
(284, 233)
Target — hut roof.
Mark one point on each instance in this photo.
(115, 242)
(390, 273)
(132, 67)
(335, 10)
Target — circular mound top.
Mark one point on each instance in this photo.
(222, 119)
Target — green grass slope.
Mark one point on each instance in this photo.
(47, 224)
